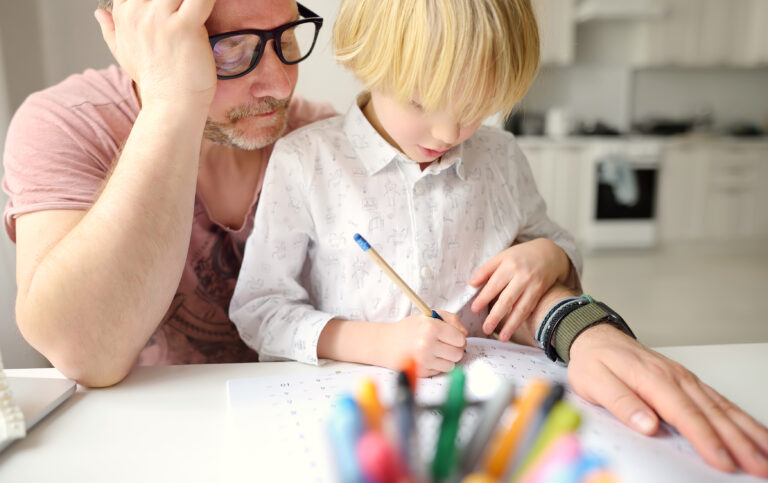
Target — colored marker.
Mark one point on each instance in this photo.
(563, 419)
(378, 461)
(367, 248)
(507, 441)
(445, 451)
(565, 450)
(369, 403)
(489, 420)
(403, 413)
(532, 432)
(409, 368)
(345, 429)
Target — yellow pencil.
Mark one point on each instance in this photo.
(367, 248)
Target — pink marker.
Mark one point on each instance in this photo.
(564, 451)
(378, 461)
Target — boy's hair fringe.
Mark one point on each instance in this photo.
(105, 4)
(479, 56)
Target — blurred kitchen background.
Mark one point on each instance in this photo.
(645, 129)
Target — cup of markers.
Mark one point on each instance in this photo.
(529, 437)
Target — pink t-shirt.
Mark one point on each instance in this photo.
(58, 152)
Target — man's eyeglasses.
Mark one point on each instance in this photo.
(238, 53)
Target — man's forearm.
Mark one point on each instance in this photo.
(526, 333)
(96, 297)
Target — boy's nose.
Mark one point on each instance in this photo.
(272, 78)
(447, 132)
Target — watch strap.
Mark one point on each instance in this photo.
(581, 319)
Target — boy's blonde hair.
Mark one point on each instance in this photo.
(477, 56)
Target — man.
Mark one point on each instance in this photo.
(129, 229)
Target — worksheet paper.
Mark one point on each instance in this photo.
(279, 423)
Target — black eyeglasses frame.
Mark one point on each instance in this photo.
(266, 35)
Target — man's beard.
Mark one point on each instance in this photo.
(227, 134)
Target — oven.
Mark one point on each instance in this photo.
(622, 187)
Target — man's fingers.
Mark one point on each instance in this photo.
(520, 312)
(503, 306)
(662, 390)
(753, 428)
(196, 10)
(107, 24)
(743, 449)
(492, 288)
(612, 393)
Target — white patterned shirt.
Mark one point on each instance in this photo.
(337, 177)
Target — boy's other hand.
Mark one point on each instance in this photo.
(639, 385)
(519, 276)
(435, 345)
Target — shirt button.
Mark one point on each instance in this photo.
(426, 273)
(418, 189)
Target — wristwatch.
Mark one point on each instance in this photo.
(570, 317)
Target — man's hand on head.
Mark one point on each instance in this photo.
(163, 45)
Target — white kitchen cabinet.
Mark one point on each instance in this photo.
(558, 170)
(714, 191)
(689, 33)
(557, 27)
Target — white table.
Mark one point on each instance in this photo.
(170, 423)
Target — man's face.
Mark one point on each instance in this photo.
(250, 112)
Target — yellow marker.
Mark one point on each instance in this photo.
(479, 478)
(369, 403)
(504, 445)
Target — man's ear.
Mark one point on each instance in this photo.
(107, 24)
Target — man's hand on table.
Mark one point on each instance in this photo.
(639, 385)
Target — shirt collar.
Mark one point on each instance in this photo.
(375, 153)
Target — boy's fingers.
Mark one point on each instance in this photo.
(451, 335)
(452, 320)
(439, 365)
(485, 271)
(448, 352)
(520, 312)
(503, 306)
(492, 288)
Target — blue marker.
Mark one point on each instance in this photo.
(367, 248)
(346, 428)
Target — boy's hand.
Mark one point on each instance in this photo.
(163, 46)
(519, 276)
(639, 385)
(435, 345)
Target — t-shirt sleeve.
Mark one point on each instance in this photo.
(55, 158)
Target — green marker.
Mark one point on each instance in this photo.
(445, 457)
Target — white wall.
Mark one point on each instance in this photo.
(15, 351)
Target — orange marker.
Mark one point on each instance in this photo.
(409, 368)
(369, 403)
(504, 445)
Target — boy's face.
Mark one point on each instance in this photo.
(421, 136)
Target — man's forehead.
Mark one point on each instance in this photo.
(229, 15)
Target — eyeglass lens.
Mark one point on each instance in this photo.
(233, 55)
